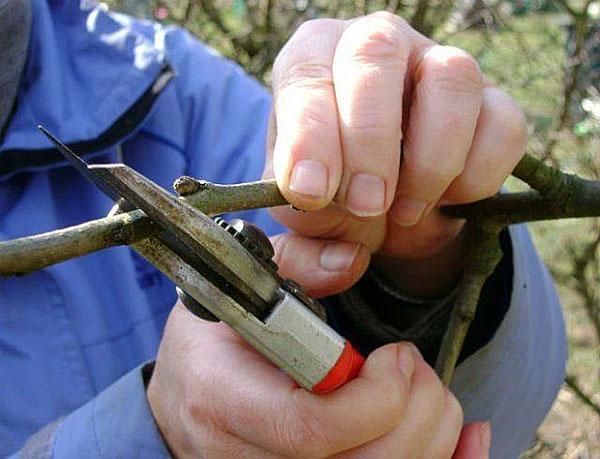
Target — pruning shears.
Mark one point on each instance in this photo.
(224, 271)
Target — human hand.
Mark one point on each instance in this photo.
(213, 396)
(346, 95)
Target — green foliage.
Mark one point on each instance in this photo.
(525, 57)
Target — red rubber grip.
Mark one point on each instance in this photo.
(345, 369)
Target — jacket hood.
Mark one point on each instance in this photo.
(86, 71)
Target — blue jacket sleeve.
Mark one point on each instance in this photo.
(116, 423)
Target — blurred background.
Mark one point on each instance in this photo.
(546, 54)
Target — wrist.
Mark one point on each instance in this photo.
(429, 278)
(375, 312)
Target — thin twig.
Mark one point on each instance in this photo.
(571, 381)
(482, 254)
(580, 262)
(23, 255)
(556, 194)
(240, 45)
(571, 74)
(502, 209)
(417, 20)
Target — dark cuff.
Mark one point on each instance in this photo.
(370, 315)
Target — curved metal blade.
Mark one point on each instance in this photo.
(186, 231)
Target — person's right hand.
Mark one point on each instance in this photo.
(214, 396)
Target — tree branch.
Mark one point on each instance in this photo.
(239, 45)
(558, 195)
(23, 255)
(571, 74)
(417, 19)
(30, 253)
(482, 254)
(586, 288)
(528, 206)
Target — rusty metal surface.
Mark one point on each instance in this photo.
(192, 234)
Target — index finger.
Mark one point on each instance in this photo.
(307, 158)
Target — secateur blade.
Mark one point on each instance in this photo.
(221, 254)
(81, 166)
(188, 232)
(211, 265)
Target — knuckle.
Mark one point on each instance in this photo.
(312, 26)
(197, 409)
(308, 32)
(315, 28)
(390, 19)
(377, 46)
(302, 72)
(379, 38)
(452, 70)
(462, 62)
(518, 139)
(318, 117)
(371, 127)
(439, 173)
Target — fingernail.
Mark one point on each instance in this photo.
(406, 360)
(485, 435)
(408, 211)
(366, 195)
(338, 256)
(309, 178)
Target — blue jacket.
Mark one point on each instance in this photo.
(155, 98)
(114, 88)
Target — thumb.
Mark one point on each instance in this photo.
(323, 267)
(474, 442)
